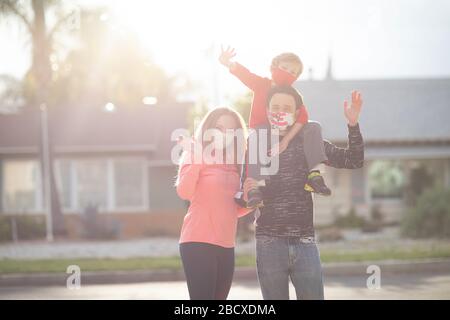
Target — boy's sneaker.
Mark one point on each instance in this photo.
(316, 184)
(255, 199)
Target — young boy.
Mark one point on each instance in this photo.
(285, 69)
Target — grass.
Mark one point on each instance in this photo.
(58, 265)
(174, 263)
(386, 254)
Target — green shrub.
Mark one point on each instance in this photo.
(5, 229)
(329, 234)
(30, 227)
(420, 179)
(27, 227)
(350, 220)
(96, 227)
(430, 218)
(375, 223)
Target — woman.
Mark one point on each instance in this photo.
(208, 233)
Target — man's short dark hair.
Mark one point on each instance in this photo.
(286, 90)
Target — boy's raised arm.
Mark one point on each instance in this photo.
(251, 80)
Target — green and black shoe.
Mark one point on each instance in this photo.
(255, 199)
(316, 184)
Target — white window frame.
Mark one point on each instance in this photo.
(38, 193)
(110, 186)
(72, 180)
(145, 187)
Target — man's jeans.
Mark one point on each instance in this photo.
(281, 258)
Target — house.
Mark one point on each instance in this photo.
(405, 125)
(119, 159)
(115, 158)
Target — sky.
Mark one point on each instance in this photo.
(366, 39)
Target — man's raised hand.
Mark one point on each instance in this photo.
(352, 112)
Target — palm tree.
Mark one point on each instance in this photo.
(89, 71)
(32, 15)
(109, 65)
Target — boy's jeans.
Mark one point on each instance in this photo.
(279, 258)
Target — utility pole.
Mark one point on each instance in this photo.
(45, 158)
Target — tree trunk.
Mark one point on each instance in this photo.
(41, 74)
(40, 65)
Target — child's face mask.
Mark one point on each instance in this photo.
(282, 77)
(281, 120)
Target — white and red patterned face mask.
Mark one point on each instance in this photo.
(281, 120)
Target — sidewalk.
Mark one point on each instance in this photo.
(398, 286)
(168, 247)
(114, 249)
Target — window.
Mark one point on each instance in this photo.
(111, 184)
(387, 180)
(92, 185)
(65, 186)
(128, 182)
(21, 186)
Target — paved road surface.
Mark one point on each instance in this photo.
(408, 286)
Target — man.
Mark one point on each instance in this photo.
(285, 237)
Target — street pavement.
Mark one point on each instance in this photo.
(394, 286)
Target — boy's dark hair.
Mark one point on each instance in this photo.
(287, 90)
(289, 57)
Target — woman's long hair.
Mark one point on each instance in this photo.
(209, 121)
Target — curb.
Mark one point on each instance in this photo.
(389, 267)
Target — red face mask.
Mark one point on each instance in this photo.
(282, 77)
